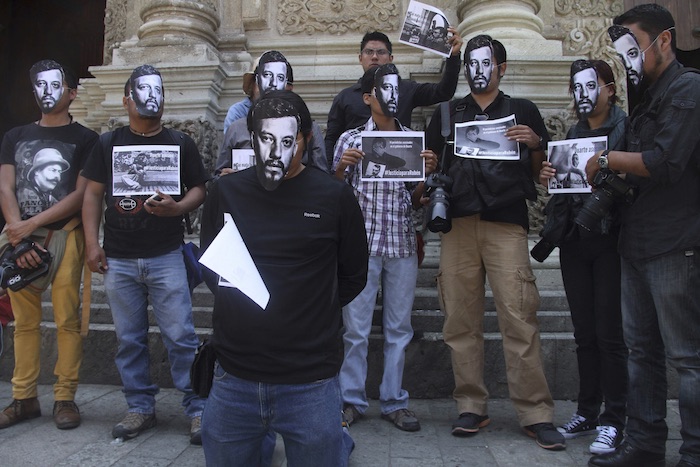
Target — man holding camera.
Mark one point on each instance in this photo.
(386, 207)
(489, 237)
(659, 245)
(142, 254)
(41, 194)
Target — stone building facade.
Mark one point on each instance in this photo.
(203, 47)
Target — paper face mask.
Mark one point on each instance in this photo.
(479, 69)
(585, 86)
(147, 93)
(275, 144)
(48, 89)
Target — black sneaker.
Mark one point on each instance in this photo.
(609, 438)
(469, 423)
(546, 435)
(578, 426)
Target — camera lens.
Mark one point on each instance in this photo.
(438, 211)
(594, 209)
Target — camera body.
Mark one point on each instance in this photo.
(438, 186)
(610, 188)
(16, 278)
(542, 250)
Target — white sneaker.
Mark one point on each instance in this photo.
(607, 440)
(578, 426)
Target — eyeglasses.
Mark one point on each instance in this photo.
(377, 52)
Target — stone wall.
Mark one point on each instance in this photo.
(203, 48)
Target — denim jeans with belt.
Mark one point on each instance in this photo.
(661, 319)
(239, 414)
(129, 284)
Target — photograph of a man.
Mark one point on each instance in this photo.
(473, 140)
(379, 155)
(272, 72)
(478, 68)
(374, 170)
(147, 91)
(627, 48)
(585, 87)
(275, 144)
(43, 177)
(47, 81)
(564, 157)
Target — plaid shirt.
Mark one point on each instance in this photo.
(386, 206)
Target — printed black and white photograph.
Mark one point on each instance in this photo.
(242, 159)
(392, 156)
(569, 158)
(486, 139)
(141, 170)
(41, 179)
(425, 27)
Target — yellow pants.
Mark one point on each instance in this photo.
(26, 305)
(471, 251)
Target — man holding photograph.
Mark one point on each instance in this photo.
(349, 110)
(659, 246)
(386, 207)
(142, 254)
(489, 237)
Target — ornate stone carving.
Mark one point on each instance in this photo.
(337, 16)
(558, 123)
(115, 28)
(606, 8)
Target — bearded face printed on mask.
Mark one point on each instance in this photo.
(585, 89)
(147, 93)
(630, 53)
(48, 88)
(276, 139)
(387, 94)
(479, 68)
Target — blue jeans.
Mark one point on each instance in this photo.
(239, 414)
(129, 284)
(398, 279)
(661, 318)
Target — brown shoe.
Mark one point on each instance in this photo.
(66, 415)
(19, 411)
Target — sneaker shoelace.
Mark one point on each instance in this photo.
(607, 435)
(575, 421)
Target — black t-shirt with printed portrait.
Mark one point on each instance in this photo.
(47, 162)
(132, 168)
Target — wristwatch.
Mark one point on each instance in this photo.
(603, 159)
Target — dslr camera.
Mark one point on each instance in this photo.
(438, 186)
(609, 189)
(16, 278)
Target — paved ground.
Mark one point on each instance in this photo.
(38, 442)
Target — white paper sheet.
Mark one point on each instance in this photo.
(228, 256)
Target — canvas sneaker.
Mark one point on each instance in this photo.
(608, 439)
(578, 426)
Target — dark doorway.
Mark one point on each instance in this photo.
(68, 31)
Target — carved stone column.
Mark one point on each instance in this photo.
(174, 22)
(513, 22)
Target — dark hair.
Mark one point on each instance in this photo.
(474, 128)
(616, 31)
(298, 103)
(127, 87)
(144, 70)
(272, 107)
(602, 70)
(650, 18)
(379, 140)
(45, 65)
(272, 56)
(373, 75)
(484, 40)
(375, 36)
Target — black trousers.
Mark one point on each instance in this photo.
(590, 269)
